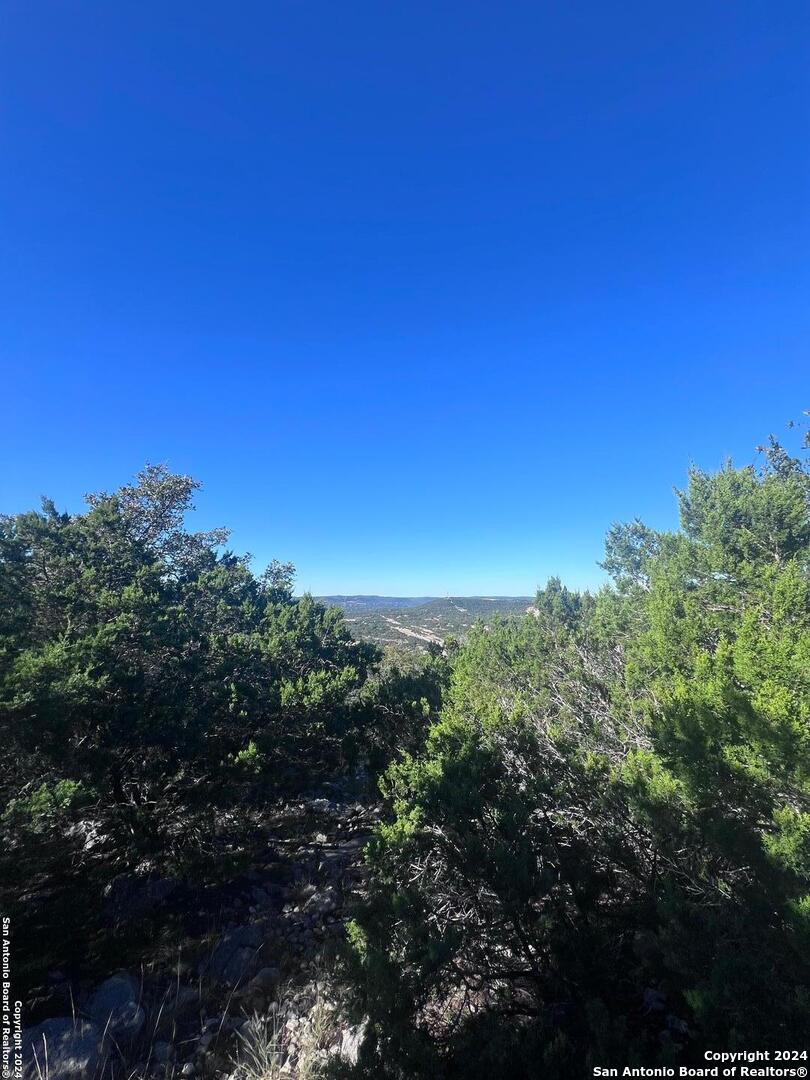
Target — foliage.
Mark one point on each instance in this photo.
(597, 840)
(403, 698)
(148, 680)
(602, 853)
(48, 805)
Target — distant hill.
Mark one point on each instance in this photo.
(416, 621)
(375, 603)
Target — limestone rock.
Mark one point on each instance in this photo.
(237, 955)
(63, 1049)
(351, 1042)
(266, 979)
(114, 1006)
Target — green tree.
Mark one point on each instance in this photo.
(601, 854)
(139, 663)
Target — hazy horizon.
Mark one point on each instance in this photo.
(426, 596)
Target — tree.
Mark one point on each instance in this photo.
(143, 667)
(602, 853)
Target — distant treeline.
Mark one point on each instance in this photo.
(416, 622)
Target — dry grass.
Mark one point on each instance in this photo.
(261, 1050)
(266, 1046)
(267, 1049)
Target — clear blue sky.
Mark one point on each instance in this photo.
(427, 294)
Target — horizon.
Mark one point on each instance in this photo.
(420, 596)
(426, 298)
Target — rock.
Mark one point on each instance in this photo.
(236, 957)
(182, 999)
(178, 1002)
(266, 979)
(115, 1007)
(63, 1049)
(161, 1052)
(352, 1041)
(131, 896)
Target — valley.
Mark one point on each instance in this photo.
(417, 622)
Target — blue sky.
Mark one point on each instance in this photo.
(426, 294)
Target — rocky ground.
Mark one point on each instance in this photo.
(248, 993)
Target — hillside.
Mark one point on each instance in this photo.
(239, 843)
(416, 622)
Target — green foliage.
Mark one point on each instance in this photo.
(144, 669)
(49, 805)
(402, 699)
(602, 852)
(597, 840)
